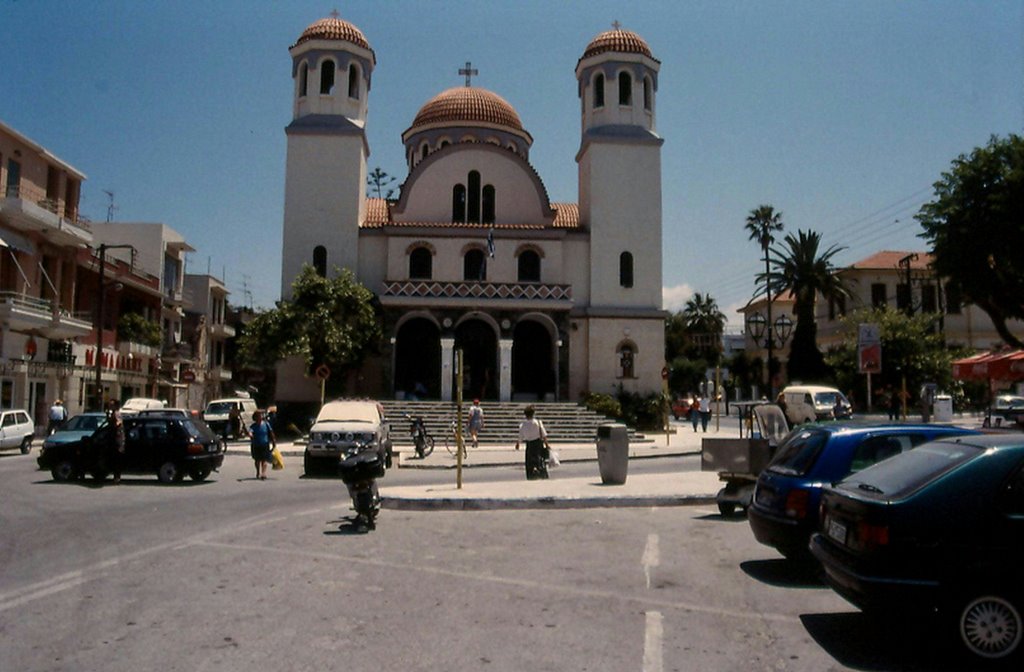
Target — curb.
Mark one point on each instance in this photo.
(522, 503)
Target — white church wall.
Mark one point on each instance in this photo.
(605, 338)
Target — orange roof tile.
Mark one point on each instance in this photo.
(333, 29)
(618, 40)
(465, 105)
(889, 259)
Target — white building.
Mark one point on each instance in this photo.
(568, 298)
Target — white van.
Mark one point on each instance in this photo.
(136, 404)
(218, 414)
(810, 403)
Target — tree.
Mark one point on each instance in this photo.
(704, 324)
(801, 269)
(975, 225)
(762, 223)
(332, 321)
(377, 181)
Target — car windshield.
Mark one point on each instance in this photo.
(222, 407)
(84, 423)
(905, 473)
(828, 398)
(799, 452)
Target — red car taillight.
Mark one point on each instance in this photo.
(195, 448)
(872, 536)
(796, 504)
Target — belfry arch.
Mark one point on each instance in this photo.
(418, 358)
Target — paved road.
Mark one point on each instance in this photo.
(237, 574)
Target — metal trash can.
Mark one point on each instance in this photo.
(943, 408)
(612, 452)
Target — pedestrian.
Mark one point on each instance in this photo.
(476, 421)
(694, 411)
(894, 405)
(235, 422)
(532, 433)
(115, 449)
(705, 412)
(58, 414)
(261, 442)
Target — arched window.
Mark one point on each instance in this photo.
(474, 266)
(353, 81)
(424, 150)
(625, 89)
(626, 269)
(647, 93)
(488, 204)
(473, 196)
(303, 79)
(421, 264)
(529, 266)
(327, 77)
(459, 203)
(627, 357)
(599, 90)
(320, 260)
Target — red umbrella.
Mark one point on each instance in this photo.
(1007, 367)
(975, 367)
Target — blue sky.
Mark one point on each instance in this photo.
(839, 114)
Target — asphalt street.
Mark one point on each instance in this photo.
(240, 574)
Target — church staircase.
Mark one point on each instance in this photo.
(565, 422)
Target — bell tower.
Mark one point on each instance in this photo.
(327, 150)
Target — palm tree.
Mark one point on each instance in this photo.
(704, 320)
(762, 223)
(800, 268)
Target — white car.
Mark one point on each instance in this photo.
(136, 404)
(340, 425)
(16, 431)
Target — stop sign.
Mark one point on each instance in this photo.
(188, 375)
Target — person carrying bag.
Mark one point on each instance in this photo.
(532, 433)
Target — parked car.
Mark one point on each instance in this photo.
(681, 409)
(167, 446)
(1006, 408)
(173, 412)
(784, 511)
(73, 429)
(218, 414)
(938, 530)
(811, 403)
(16, 430)
(338, 425)
(136, 404)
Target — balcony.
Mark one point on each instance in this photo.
(222, 331)
(220, 373)
(27, 208)
(176, 353)
(28, 313)
(477, 294)
(126, 348)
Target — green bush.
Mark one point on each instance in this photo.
(604, 404)
(135, 328)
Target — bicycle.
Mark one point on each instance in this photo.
(450, 441)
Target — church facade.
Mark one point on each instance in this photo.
(544, 300)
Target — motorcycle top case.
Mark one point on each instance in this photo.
(361, 467)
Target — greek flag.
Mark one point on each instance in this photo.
(490, 242)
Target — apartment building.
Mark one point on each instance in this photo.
(206, 319)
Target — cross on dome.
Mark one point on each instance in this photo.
(334, 13)
(616, 25)
(468, 71)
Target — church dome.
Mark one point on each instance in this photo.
(333, 28)
(467, 106)
(617, 40)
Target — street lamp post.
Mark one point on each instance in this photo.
(101, 299)
(780, 329)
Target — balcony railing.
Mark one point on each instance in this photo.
(500, 291)
(22, 312)
(29, 193)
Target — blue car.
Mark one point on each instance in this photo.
(784, 510)
(936, 532)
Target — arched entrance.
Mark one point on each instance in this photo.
(418, 358)
(533, 373)
(479, 346)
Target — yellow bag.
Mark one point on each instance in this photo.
(276, 460)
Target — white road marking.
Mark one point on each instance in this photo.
(652, 642)
(651, 557)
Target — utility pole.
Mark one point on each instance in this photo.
(101, 299)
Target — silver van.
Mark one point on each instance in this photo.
(218, 414)
(811, 403)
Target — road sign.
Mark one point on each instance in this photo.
(188, 376)
(869, 348)
(323, 372)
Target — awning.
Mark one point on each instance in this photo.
(1006, 365)
(16, 242)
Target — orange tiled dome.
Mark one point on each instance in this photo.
(334, 29)
(622, 41)
(467, 104)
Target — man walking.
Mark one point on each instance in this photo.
(58, 414)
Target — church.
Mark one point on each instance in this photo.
(545, 300)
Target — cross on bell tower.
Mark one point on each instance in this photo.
(468, 71)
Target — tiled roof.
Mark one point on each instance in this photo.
(567, 216)
(333, 29)
(467, 104)
(889, 259)
(621, 41)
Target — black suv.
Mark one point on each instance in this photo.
(169, 447)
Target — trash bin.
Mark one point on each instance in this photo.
(943, 407)
(612, 453)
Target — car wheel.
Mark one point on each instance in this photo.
(63, 471)
(169, 472)
(99, 474)
(199, 473)
(727, 508)
(990, 627)
(26, 445)
(309, 465)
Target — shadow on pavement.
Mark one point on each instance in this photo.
(784, 573)
(860, 641)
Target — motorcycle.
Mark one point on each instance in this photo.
(360, 467)
(422, 441)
